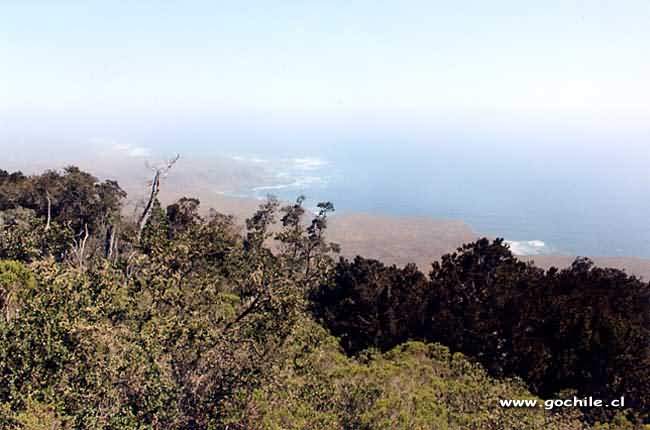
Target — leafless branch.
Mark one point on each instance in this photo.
(159, 172)
(79, 248)
(49, 210)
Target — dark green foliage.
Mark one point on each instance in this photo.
(192, 323)
(25, 237)
(598, 325)
(76, 199)
(156, 232)
(54, 214)
(182, 215)
(582, 328)
(476, 298)
(368, 304)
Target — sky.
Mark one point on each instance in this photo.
(557, 59)
(506, 96)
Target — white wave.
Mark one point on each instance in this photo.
(283, 173)
(309, 180)
(110, 147)
(231, 194)
(528, 247)
(132, 151)
(299, 182)
(271, 187)
(253, 160)
(293, 164)
(139, 151)
(308, 163)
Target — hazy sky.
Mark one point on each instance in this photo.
(553, 57)
(468, 105)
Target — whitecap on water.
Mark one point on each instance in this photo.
(528, 247)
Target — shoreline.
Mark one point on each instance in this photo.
(392, 239)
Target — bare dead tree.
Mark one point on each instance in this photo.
(49, 211)
(159, 172)
(116, 242)
(79, 248)
(110, 241)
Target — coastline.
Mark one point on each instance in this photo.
(391, 239)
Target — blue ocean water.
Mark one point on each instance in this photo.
(577, 200)
(549, 190)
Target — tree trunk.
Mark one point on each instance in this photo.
(109, 242)
(155, 187)
(49, 211)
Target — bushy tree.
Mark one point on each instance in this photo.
(583, 328)
(368, 304)
(414, 386)
(476, 298)
(73, 198)
(50, 213)
(25, 237)
(188, 321)
(174, 334)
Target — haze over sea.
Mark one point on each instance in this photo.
(583, 193)
(578, 198)
(529, 122)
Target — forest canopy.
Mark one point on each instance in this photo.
(179, 318)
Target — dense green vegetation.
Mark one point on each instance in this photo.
(581, 328)
(175, 320)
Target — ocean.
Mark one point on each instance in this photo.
(577, 198)
(546, 190)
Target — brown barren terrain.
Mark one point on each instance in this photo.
(393, 240)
